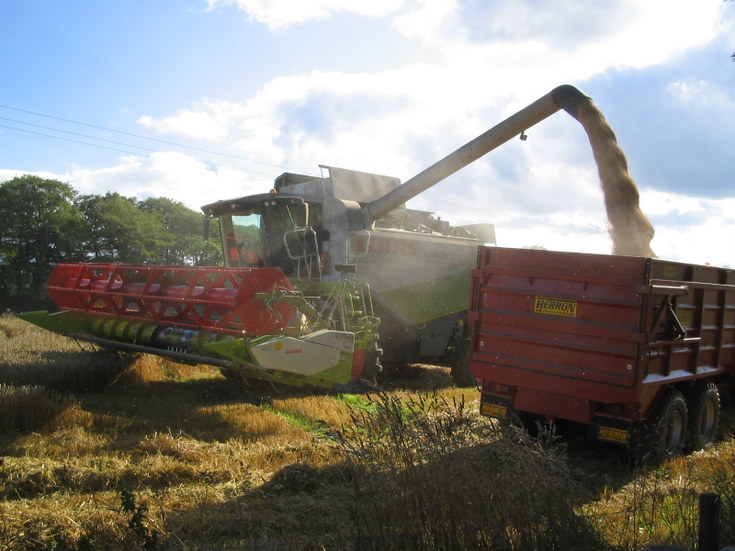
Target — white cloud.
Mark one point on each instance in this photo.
(523, 41)
(708, 241)
(9, 173)
(661, 203)
(699, 94)
(281, 14)
(209, 121)
(524, 50)
(169, 174)
(427, 20)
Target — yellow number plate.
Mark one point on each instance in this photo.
(619, 436)
(493, 410)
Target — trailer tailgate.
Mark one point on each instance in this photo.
(566, 324)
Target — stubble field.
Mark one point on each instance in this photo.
(101, 451)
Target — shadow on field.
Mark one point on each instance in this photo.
(196, 408)
(83, 371)
(410, 480)
(207, 408)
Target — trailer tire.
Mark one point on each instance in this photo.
(663, 435)
(460, 367)
(704, 415)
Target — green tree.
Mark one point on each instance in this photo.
(154, 231)
(118, 231)
(43, 222)
(39, 226)
(182, 241)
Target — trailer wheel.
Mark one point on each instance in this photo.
(663, 435)
(704, 415)
(460, 368)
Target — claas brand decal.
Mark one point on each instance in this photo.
(555, 307)
(384, 246)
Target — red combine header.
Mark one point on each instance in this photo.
(252, 322)
(214, 298)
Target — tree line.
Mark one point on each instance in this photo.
(45, 221)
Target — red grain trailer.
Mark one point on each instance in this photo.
(639, 348)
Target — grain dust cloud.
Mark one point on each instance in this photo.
(630, 230)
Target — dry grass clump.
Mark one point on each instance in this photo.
(142, 369)
(22, 342)
(186, 449)
(433, 475)
(314, 410)
(30, 355)
(7, 327)
(61, 443)
(661, 504)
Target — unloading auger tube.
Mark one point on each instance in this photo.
(565, 97)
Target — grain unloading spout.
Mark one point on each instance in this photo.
(563, 97)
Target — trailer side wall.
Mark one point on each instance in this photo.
(588, 337)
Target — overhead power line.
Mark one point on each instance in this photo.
(136, 153)
(132, 134)
(72, 140)
(72, 134)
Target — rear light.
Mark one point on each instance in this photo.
(499, 389)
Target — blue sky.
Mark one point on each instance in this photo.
(201, 100)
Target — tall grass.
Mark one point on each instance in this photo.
(661, 504)
(433, 475)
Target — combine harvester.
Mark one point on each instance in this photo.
(324, 277)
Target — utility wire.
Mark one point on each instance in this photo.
(139, 136)
(136, 153)
(74, 141)
(74, 134)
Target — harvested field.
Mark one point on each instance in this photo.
(112, 452)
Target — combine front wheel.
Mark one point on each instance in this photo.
(367, 379)
(460, 366)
